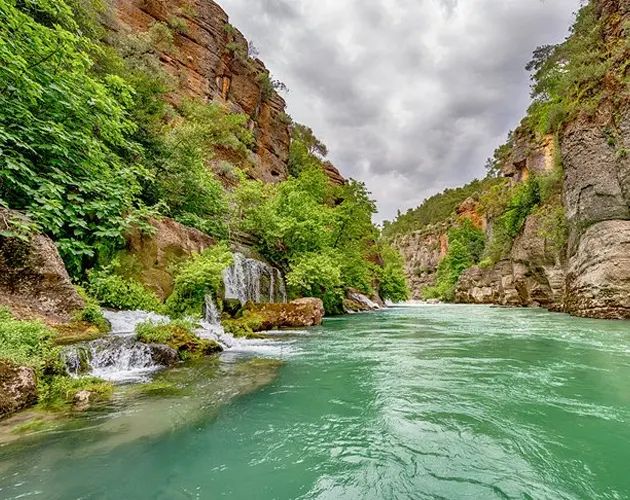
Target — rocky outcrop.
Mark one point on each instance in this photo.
(422, 252)
(150, 257)
(530, 154)
(532, 275)
(210, 61)
(18, 388)
(334, 177)
(295, 314)
(597, 201)
(34, 282)
(356, 301)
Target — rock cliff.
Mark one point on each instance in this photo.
(211, 61)
(589, 274)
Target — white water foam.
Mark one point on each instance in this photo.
(250, 279)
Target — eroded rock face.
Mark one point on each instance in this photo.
(598, 284)
(533, 275)
(422, 252)
(597, 201)
(298, 313)
(206, 67)
(18, 388)
(150, 257)
(34, 282)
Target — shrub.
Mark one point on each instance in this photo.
(465, 248)
(178, 334)
(91, 313)
(114, 291)
(392, 279)
(25, 342)
(196, 278)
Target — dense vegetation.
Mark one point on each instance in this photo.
(437, 209)
(465, 248)
(91, 147)
(30, 343)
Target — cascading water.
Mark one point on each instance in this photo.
(250, 279)
(114, 358)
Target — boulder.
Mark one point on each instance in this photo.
(298, 313)
(149, 258)
(164, 355)
(18, 388)
(34, 282)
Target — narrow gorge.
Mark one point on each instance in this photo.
(554, 208)
(196, 303)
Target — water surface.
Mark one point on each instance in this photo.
(434, 402)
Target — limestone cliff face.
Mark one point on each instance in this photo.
(597, 200)
(206, 66)
(422, 252)
(532, 275)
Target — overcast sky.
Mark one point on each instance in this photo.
(411, 96)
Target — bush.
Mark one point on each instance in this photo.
(91, 313)
(114, 291)
(201, 276)
(25, 342)
(178, 334)
(465, 248)
(392, 280)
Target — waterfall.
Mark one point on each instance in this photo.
(114, 358)
(251, 279)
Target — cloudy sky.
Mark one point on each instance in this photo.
(411, 96)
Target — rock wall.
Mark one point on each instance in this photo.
(532, 275)
(422, 252)
(205, 66)
(597, 201)
(34, 282)
(150, 258)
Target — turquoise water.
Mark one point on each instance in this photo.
(434, 402)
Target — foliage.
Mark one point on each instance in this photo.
(465, 248)
(305, 151)
(91, 313)
(112, 290)
(568, 77)
(68, 158)
(392, 279)
(183, 183)
(196, 278)
(436, 209)
(25, 342)
(269, 86)
(178, 334)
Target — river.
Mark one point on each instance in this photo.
(429, 402)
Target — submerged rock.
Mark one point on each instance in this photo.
(298, 313)
(18, 388)
(34, 282)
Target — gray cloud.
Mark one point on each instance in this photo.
(411, 96)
